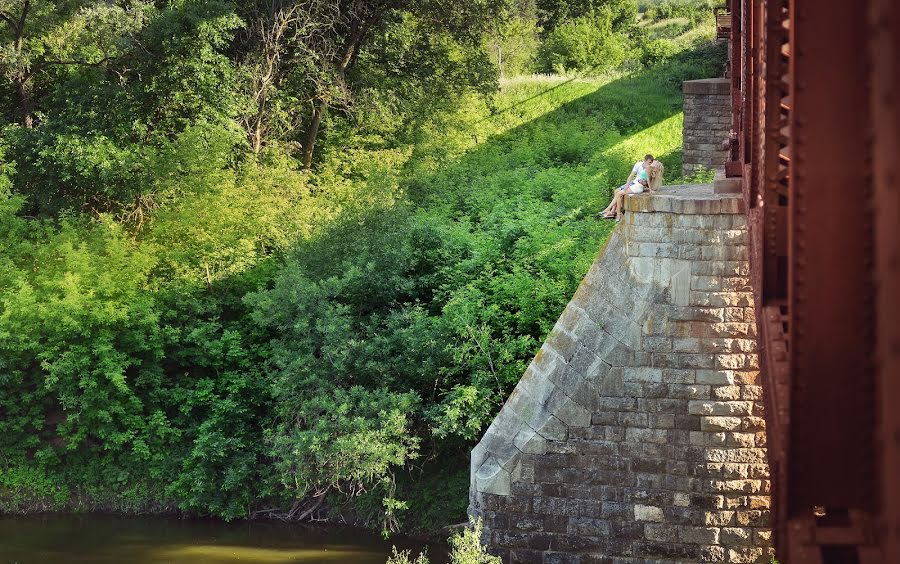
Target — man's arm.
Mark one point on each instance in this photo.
(630, 178)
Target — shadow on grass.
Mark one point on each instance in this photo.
(594, 138)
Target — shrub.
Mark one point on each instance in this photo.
(514, 45)
(656, 51)
(585, 44)
(465, 548)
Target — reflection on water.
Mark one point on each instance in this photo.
(135, 540)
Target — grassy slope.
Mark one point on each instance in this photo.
(543, 167)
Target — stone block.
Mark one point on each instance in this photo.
(572, 414)
(693, 392)
(679, 376)
(634, 435)
(686, 345)
(731, 361)
(718, 518)
(642, 374)
(526, 522)
(724, 408)
(648, 513)
(754, 518)
(617, 510)
(638, 420)
(736, 455)
(742, 440)
(700, 361)
(734, 536)
(553, 429)
(752, 393)
(661, 421)
(660, 533)
(560, 558)
(726, 393)
(664, 360)
(735, 486)
(746, 377)
(699, 535)
(556, 523)
(704, 314)
(656, 344)
(687, 423)
(745, 555)
(762, 538)
(612, 384)
(671, 552)
(699, 438)
(712, 554)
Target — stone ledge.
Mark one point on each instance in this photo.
(707, 86)
(685, 199)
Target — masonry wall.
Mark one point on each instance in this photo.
(707, 123)
(636, 434)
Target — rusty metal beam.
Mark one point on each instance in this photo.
(831, 285)
(817, 134)
(772, 159)
(884, 57)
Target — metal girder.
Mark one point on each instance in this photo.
(884, 57)
(831, 286)
(814, 94)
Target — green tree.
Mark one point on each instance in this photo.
(623, 13)
(40, 39)
(586, 43)
(343, 31)
(513, 40)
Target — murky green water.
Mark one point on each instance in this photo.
(105, 539)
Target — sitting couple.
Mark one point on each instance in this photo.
(647, 173)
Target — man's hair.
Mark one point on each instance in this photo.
(648, 157)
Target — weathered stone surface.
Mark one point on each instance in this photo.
(636, 434)
(648, 513)
(707, 122)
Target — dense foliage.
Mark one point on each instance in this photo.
(465, 548)
(259, 255)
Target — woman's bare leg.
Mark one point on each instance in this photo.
(620, 202)
(611, 208)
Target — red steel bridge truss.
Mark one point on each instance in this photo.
(815, 96)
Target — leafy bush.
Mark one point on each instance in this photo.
(586, 44)
(465, 548)
(656, 51)
(514, 45)
(695, 10)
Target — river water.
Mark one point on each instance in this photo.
(136, 540)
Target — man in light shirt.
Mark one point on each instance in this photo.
(637, 169)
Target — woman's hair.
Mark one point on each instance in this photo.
(655, 174)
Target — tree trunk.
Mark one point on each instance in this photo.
(20, 75)
(358, 30)
(24, 96)
(313, 133)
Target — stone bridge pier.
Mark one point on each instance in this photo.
(636, 435)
